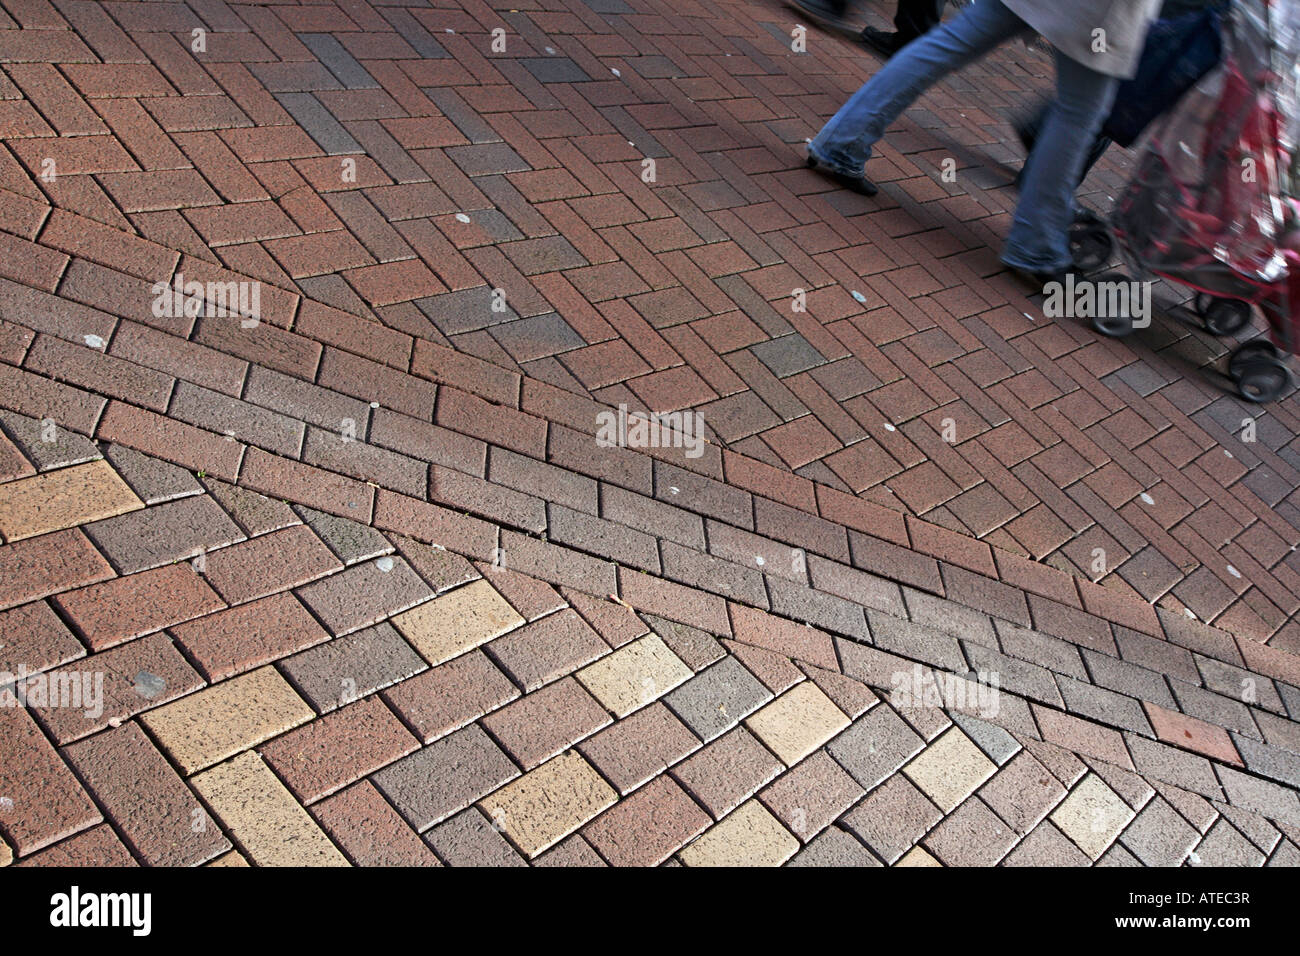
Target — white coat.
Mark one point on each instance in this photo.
(1105, 35)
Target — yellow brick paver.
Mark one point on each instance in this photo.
(749, 836)
(206, 727)
(547, 804)
(62, 499)
(1093, 815)
(917, 856)
(263, 815)
(950, 769)
(798, 722)
(634, 675)
(457, 622)
(229, 859)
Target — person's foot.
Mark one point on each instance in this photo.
(883, 42)
(1083, 216)
(859, 183)
(1025, 137)
(822, 10)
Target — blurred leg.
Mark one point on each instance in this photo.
(844, 143)
(831, 11)
(1038, 240)
(1028, 127)
(916, 18)
(1099, 146)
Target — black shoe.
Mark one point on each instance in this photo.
(822, 10)
(884, 43)
(1083, 216)
(859, 184)
(1026, 139)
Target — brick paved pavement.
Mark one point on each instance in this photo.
(321, 559)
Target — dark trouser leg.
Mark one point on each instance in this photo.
(844, 143)
(1038, 241)
(1028, 128)
(1099, 146)
(915, 17)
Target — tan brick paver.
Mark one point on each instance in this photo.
(917, 856)
(212, 724)
(1092, 815)
(548, 803)
(457, 622)
(634, 675)
(749, 836)
(63, 499)
(950, 769)
(268, 822)
(797, 722)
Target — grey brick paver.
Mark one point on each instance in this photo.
(328, 132)
(445, 777)
(716, 699)
(340, 671)
(1224, 846)
(892, 818)
(972, 835)
(1158, 836)
(875, 746)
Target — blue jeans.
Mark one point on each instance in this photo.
(1038, 239)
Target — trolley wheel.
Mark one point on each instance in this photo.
(1113, 326)
(1091, 244)
(1255, 348)
(1263, 379)
(1225, 316)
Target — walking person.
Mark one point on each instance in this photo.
(1097, 43)
(912, 19)
(1181, 47)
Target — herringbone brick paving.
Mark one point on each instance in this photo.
(911, 477)
(385, 700)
